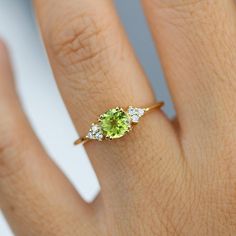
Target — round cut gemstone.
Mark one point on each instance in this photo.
(115, 123)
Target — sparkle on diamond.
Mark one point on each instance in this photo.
(95, 132)
(135, 113)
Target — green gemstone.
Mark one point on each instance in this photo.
(115, 123)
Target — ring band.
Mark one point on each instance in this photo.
(115, 123)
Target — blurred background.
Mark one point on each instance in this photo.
(41, 100)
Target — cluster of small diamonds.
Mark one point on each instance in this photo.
(104, 128)
(95, 132)
(135, 113)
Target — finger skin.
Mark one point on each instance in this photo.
(147, 190)
(96, 69)
(91, 58)
(196, 43)
(35, 196)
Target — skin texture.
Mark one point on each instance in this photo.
(162, 178)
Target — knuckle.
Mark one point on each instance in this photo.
(84, 43)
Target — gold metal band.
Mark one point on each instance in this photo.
(157, 105)
(84, 139)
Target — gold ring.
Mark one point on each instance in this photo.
(115, 123)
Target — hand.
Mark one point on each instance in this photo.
(163, 178)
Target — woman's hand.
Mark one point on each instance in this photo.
(161, 179)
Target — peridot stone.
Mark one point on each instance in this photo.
(115, 123)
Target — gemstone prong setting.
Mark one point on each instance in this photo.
(116, 123)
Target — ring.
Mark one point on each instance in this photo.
(115, 123)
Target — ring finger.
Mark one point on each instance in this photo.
(96, 69)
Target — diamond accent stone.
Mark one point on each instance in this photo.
(140, 111)
(95, 132)
(135, 113)
(99, 136)
(94, 128)
(90, 135)
(131, 111)
(135, 118)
